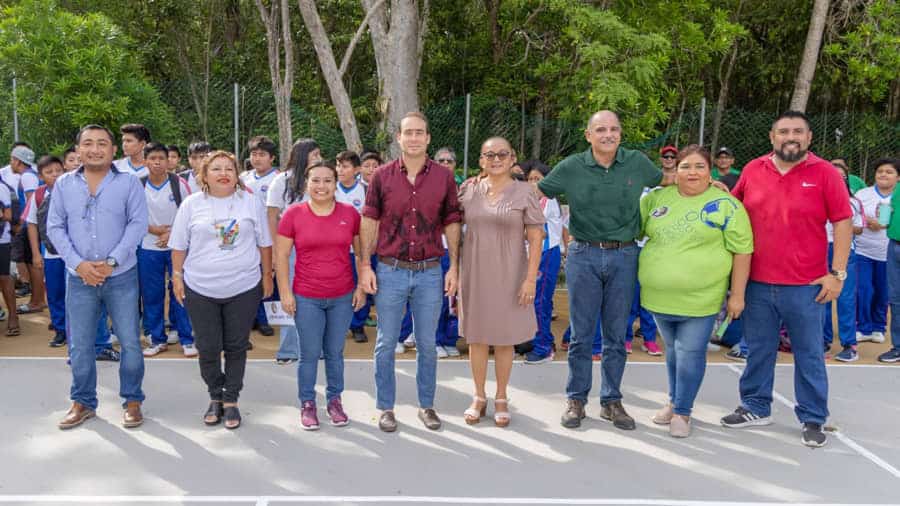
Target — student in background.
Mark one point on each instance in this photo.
(164, 192)
(6, 282)
(174, 158)
(197, 152)
(134, 138)
(45, 256)
(368, 163)
(352, 191)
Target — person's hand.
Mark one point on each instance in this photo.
(831, 288)
(735, 306)
(178, 289)
(163, 240)
(873, 225)
(367, 279)
(103, 268)
(451, 282)
(268, 286)
(37, 261)
(289, 304)
(526, 292)
(359, 298)
(88, 273)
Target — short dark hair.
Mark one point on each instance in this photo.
(70, 149)
(155, 146)
(318, 164)
(893, 162)
(791, 114)
(371, 155)
(136, 129)
(530, 165)
(413, 114)
(175, 148)
(48, 160)
(695, 149)
(94, 127)
(349, 156)
(199, 147)
(262, 142)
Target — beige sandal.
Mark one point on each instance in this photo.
(473, 415)
(501, 418)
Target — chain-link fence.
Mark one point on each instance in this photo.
(209, 111)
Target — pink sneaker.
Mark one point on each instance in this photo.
(336, 413)
(651, 348)
(308, 418)
(628, 347)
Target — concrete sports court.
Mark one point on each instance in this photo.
(174, 459)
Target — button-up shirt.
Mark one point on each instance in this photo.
(412, 217)
(110, 223)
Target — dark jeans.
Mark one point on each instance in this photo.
(222, 325)
(893, 277)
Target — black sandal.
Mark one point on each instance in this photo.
(216, 410)
(232, 414)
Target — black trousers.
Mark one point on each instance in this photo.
(222, 326)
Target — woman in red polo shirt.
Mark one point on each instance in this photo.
(323, 296)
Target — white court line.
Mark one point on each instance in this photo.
(858, 448)
(265, 500)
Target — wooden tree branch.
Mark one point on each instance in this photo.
(345, 61)
(807, 70)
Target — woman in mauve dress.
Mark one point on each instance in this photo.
(498, 276)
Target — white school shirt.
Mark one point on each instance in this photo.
(125, 165)
(858, 221)
(277, 195)
(222, 237)
(161, 209)
(872, 244)
(5, 201)
(193, 184)
(259, 184)
(354, 196)
(31, 217)
(9, 177)
(553, 225)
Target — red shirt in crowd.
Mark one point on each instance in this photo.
(412, 217)
(322, 270)
(788, 214)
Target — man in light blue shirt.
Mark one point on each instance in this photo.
(97, 218)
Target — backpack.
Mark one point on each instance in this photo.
(42, 201)
(15, 205)
(174, 182)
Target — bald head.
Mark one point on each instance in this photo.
(604, 134)
(603, 116)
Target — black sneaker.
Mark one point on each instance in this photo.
(813, 435)
(571, 419)
(285, 361)
(890, 356)
(736, 355)
(108, 355)
(24, 291)
(359, 336)
(58, 340)
(266, 330)
(743, 418)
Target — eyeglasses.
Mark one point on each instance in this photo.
(445, 160)
(503, 155)
(668, 157)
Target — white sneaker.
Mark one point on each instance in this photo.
(441, 352)
(712, 347)
(113, 339)
(155, 349)
(399, 349)
(877, 337)
(410, 342)
(172, 337)
(453, 351)
(189, 350)
(861, 338)
(3, 314)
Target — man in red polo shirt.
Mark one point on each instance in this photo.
(790, 194)
(410, 203)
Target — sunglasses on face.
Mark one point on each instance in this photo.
(445, 160)
(503, 155)
(668, 157)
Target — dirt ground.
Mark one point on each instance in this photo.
(35, 336)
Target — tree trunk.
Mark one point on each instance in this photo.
(723, 99)
(810, 55)
(277, 20)
(537, 135)
(339, 96)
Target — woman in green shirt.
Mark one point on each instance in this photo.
(699, 243)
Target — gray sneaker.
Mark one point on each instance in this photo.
(571, 419)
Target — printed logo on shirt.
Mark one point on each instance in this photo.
(357, 203)
(807, 185)
(342, 222)
(172, 198)
(227, 231)
(263, 189)
(717, 213)
(659, 212)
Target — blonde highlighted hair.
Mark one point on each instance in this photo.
(204, 169)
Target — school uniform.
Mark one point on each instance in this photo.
(126, 166)
(847, 300)
(871, 260)
(155, 264)
(259, 185)
(355, 196)
(547, 276)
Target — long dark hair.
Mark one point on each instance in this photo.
(297, 162)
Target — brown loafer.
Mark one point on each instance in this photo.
(387, 422)
(430, 418)
(76, 416)
(132, 417)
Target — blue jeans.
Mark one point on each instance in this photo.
(360, 317)
(601, 281)
(543, 300)
(322, 325)
(597, 346)
(871, 307)
(152, 268)
(893, 277)
(767, 307)
(289, 340)
(686, 338)
(648, 325)
(846, 306)
(423, 290)
(120, 294)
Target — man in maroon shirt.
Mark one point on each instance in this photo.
(409, 204)
(789, 195)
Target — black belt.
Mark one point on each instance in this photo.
(421, 265)
(611, 244)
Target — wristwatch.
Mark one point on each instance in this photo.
(840, 275)
(110, 261)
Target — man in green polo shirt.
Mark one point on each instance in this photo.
(893, 275)
(603, 186)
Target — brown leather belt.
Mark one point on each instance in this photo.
(411, 266)
(612, 244)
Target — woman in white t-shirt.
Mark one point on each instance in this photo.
(871, 251)
(219, 240)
